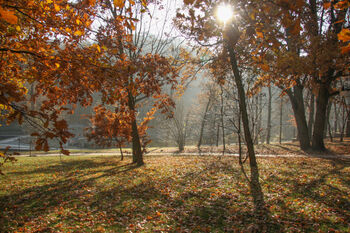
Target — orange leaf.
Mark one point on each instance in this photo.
(260, 34)
(264, 67)
(187, 2)
(119, 3)
(345, 49)
(344, 35)
(341, 5)
(57, 8)
(8, 16)
(78, 33)
(326, 5)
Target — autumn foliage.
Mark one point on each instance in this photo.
(53, 49)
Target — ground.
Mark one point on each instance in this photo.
(171, 194)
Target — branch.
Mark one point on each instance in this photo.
(20, 51)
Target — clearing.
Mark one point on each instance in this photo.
(171, 194)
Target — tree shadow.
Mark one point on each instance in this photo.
(139, 199)
(289, 149)
(41, 200)
(335, 199)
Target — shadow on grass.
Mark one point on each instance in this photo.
(135, 200)
(317, 191)
(41, 200)
(119, 205)
(68, 166)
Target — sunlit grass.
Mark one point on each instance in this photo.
(171, 194)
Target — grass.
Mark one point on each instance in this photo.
(171, 194)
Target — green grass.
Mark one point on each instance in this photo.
(170, 194)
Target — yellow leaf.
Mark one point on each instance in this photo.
(68, 30)
(78, 33)
(57, 8)
(8, 16)
(57, 65)
(18, 28)
(119, 3)
(98, 48)
(78, 21)
(49, 1)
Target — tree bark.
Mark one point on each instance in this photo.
(269, 109)
(320, 118)
(257, 194)
(296, 98)
(121, 152)
(311, 114)
(336, 112)
(222, 120)
(281, 121)
(347, 111)
(256, 120)
(137, 156)
(217, 134)
(327, 126)
(181, 145)
(348, 127)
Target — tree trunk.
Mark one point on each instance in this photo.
(348, 127)
(137, 156)
(136, 145)
(202, 124)
(256, 120)
(121, 152)
(342, 128)
(217, 134)
(347, 131)
(269, 109)
(311, 114)
(281, 121)
(256, 191)
(297, 101)
(222, 120)
(336, 112)
(327, 125)
(320, 118)
(181, 144)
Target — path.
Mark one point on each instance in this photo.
(193, 154)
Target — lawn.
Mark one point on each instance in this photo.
(171, 194)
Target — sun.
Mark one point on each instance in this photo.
(224, 13)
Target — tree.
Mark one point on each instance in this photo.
(178, 127)
(146, 70)
(198, 22)
(33, 54)
(295, 43)
(110, 128)
(55, 46)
